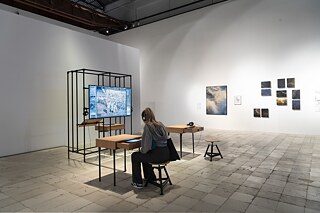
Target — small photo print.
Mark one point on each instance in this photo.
(281, 101)
(282, 83)
(296, 94)
(281, 93)
(237, 100)
(265, 84)
(265, 113)
(257, 112)
(265, 92)
(290, 82)
(296, 104)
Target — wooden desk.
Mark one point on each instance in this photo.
(116, 142)
(184, 129)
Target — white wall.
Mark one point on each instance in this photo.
(238, 44)
(34, 59)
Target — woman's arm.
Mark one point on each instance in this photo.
(146, 142)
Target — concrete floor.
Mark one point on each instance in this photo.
(259, 172)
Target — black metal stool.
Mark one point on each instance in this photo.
(160, 182)
(212, 142)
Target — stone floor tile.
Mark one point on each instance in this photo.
(266, 203)
(298, 201)
(107, 201)
(258, 209)
(285, 207)
(234, 205)
(276, 182)
(272, 188)
(92, 207)
(185, 201)
(155, 204)
(202, 206)
(306, 210)
(214, 199)
(269, 195)
(15, 207)
(72, 205)
(174, 208)
(242, 197)
(248, 190)
(311, 204)
(195, 194)
(123, 206)
(7, 202)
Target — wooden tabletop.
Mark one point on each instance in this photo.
(111, 141)
(183, 128)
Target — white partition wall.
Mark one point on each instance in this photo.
(34, 59)
(239, 44)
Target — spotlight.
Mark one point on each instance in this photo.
(125, 27)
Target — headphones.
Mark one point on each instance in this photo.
(190, 124)
(85, 111)
(143, 115)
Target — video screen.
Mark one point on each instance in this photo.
(108, 102)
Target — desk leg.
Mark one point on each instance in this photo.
(192, 142)
(181, 145)
(125, 160)
(99, 164)
(114, 167)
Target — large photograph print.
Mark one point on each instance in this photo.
(216, 100)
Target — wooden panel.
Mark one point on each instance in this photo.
(106, 128)
(129, 146)
(176, 128)
(194, 129)
(90, 122)
(183, 129)
(111, 142)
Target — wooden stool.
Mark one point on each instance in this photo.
(160, 182)
(211, 154)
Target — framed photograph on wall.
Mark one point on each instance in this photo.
(237, 100)
(265, 113)
(296, 94)
(282, 101)
(265, 92)
(216, 100)
(281, 93)
(265, 84)
(290, 82)
(282, 83)
(296, 104)
(257, 112)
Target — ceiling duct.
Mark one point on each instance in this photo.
(71, 13)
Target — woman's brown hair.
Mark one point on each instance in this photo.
(148, 116)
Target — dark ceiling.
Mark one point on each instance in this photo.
(109, 16)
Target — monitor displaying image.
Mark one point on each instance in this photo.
(108, 102)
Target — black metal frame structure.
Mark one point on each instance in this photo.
(78, 82)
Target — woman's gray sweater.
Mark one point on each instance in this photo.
(155, 133)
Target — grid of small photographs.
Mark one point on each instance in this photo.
(282, 95)
(261, 113)
(282, 99)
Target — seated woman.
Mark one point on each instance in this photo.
(154, 149)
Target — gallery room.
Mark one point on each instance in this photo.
(234, 83)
